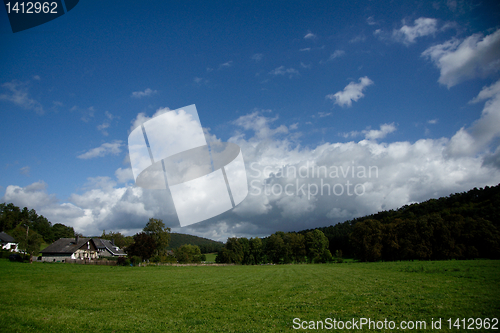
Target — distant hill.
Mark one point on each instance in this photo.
(206, 245)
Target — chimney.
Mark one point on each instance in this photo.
(113, 241)
(76, 239)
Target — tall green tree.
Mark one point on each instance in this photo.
(297, 246)
(255, 251)
(317, 246)
(161, 235)
(29, 241)
(275, 248)
(144, 246)
(61, 231)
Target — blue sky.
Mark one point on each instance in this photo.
(409, 87)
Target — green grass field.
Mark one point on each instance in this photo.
(211, 257)
(78, 298)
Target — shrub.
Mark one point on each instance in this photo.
(123, 261)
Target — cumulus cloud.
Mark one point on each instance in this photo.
(260, 125)
(142, 117)
(146, 93)
(460, 60)
(473, 140)
(371, 134)
(291, 186)
(422, 27)
(284, 71)
(352, 92)
(380, 133)
(108, 148)
(18, 94)
(29, 196)
(124, 175)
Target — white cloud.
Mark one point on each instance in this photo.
(336, 54)
(25, 171)
(433, 121)
(142, 117)
(381, 133)
(358, 39)
(36, 77)
(371, 21)
(260, 125)
(460, 60)
(422, 27)
(226, 65)
(352, 92)
(146, 93)
(108, 148)
(310, 36)
(124, 175)
(18, 94)
(471, 141)
(109, 115)
(29, 196)
(103, 127)
(87, 113)
(371, 134)
(305, 49)
(257, 57)
(284, 71)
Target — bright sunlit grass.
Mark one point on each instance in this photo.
(79, 298)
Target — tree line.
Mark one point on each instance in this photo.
(279, 248)
(30, 229)
(460, 226)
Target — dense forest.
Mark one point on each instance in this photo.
(14, 221)
(459, 226)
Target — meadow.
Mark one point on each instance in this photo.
(51, 297)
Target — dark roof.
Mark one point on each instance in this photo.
(113, 249)
(98, 243)
(65, 245)
(6, 238)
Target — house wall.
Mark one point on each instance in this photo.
(10, 247)
(84, 254)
